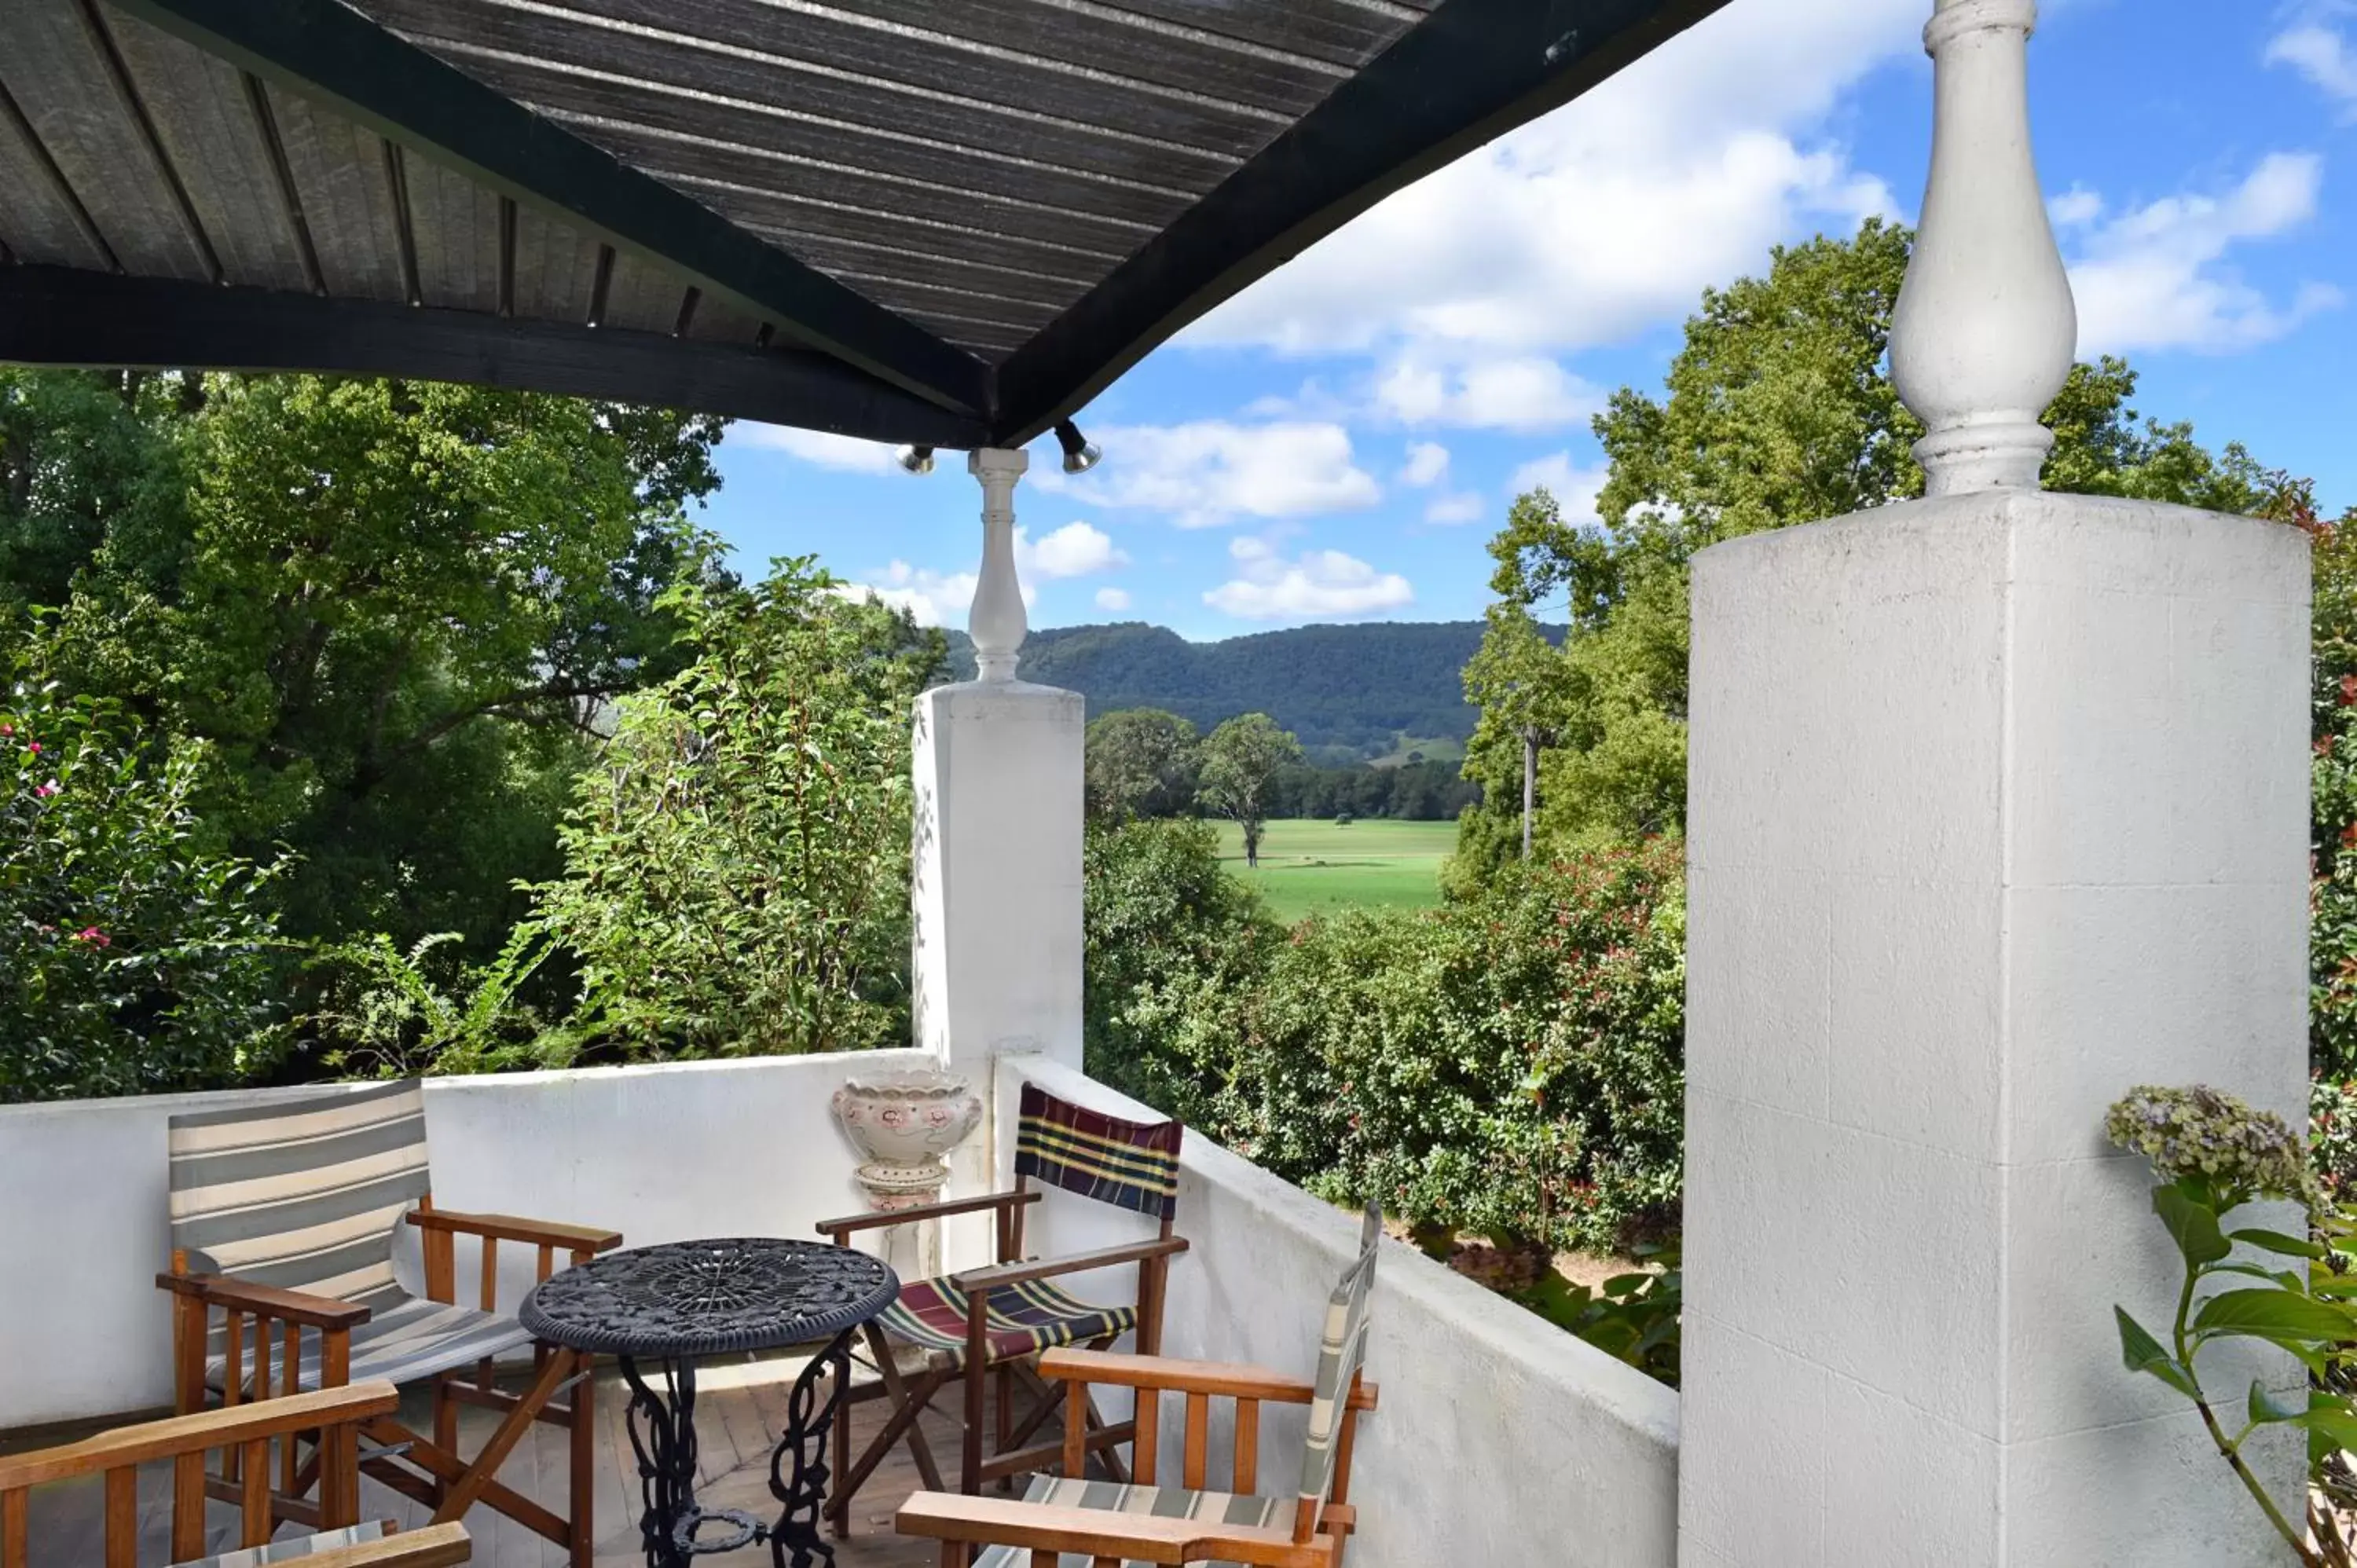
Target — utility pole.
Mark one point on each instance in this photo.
(1529, 783)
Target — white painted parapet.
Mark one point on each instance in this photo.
(1998, 807)
(743, 1147)
(997, 856)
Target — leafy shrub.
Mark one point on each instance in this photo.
(736, 877)
(133, 959)
(1512, 1064)
(392, 1013)
(1174, 950)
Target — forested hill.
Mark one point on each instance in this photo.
(1356, 686)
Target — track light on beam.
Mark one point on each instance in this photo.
(915, 459)
(1080, 455)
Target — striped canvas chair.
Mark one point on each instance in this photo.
(344, 1540)
(1143, 1521)
(988, 1324)
(281, 1282)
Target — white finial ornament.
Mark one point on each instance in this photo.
(1985, 329)
(998, 622)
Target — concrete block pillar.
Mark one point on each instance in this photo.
(1998, 807)
(998, 790)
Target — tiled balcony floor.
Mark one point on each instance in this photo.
(740, 1411)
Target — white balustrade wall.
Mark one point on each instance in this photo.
(661, 1154)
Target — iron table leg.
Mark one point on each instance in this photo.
(666, 1455)
(803, 1490)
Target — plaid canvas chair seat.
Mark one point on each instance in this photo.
(1240, 1527)
(1024, 1319)
(1130, 1166)
(1113, 1497)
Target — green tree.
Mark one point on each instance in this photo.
(1174, 947)
(737, 866)
(133, 960)
(1141, 763)
(1778, 411)
(395, 610)
(1239, 761)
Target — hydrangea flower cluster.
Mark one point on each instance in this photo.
(2210, 1134)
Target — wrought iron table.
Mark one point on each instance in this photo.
(673, 1302)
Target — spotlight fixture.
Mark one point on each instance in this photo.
(916, 460)
(1080, 455)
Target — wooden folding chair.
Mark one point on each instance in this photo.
(1071, 1521)
(989, 1323)
(283, 1216)
(332, 1415)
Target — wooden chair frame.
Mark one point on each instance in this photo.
(910, 1396)
(964, 1524)
(435, 1475)
(333, 1417)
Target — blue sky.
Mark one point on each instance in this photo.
(1339, 441)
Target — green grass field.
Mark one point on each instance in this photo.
(1307, 868)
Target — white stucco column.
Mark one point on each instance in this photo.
(997, 858)
(1998, 807)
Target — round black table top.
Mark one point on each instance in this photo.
(695, 1298)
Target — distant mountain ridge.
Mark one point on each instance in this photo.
(1335, 686)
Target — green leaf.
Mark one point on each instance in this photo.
(2192, 1224)
(2276, 1314)
(2331, 1420)
(2266, 1409)
(2277, 1241)
(2143, 1353)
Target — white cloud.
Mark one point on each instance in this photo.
(935, 598)
(1213, 471)
(847, 453)
(1427, 465)
(2321, 55)
(1114, 599)
(2156, 276)
(1524, 392)
(1317, 585)
(1075, 549)
(1607, 217)
(2076, 209)
(1575, 488)
(1452, 509)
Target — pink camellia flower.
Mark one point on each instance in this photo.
(94, 937)
(33, 749)
(46, 790)
(7, 730)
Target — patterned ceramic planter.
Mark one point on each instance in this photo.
(904, 1123)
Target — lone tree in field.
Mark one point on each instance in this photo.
(1238, 762)
(1141, 763)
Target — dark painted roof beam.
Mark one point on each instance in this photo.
(337, 57)
(71, 315)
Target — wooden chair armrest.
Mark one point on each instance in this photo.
(234, 1295)
(874, 1218)
(508, 1228)
(1225, 1379)
(1000, 1274)
(195, 1434)
(434, 1546)
(1102, 1533)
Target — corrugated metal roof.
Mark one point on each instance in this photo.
(986, 207)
